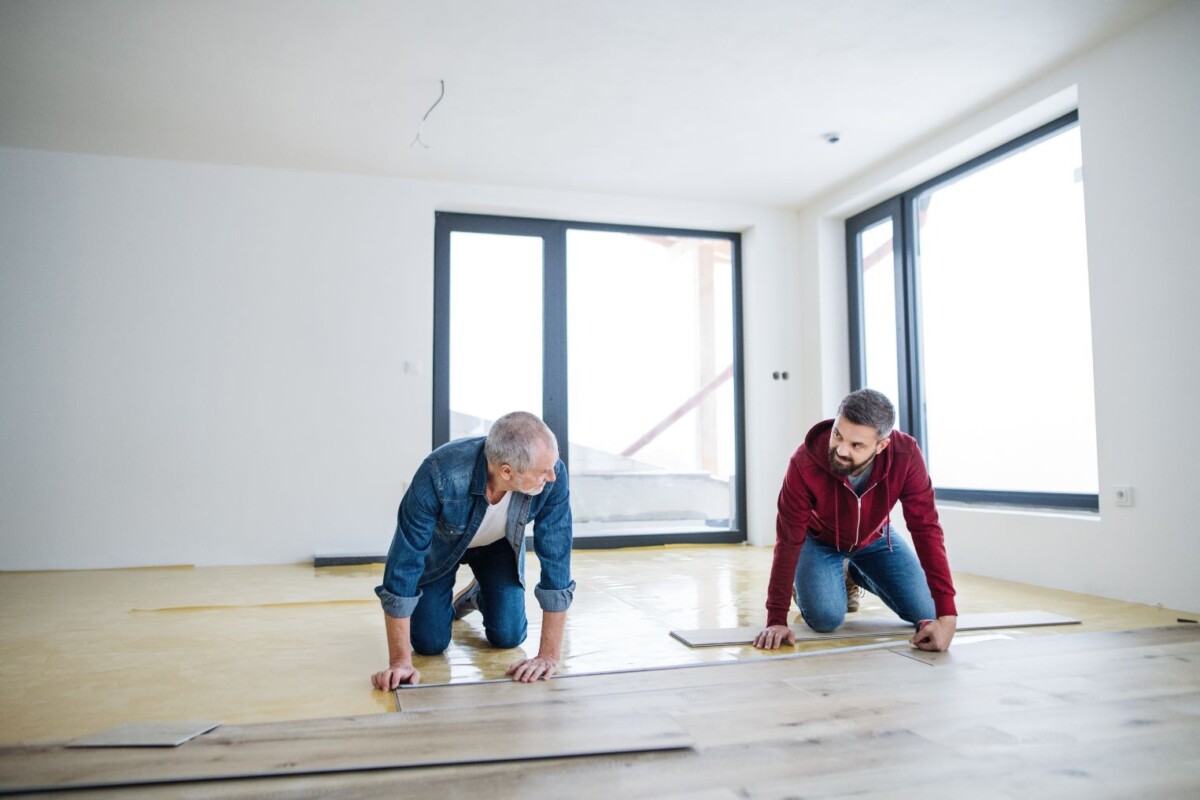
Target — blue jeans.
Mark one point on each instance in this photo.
(894, 575)
(501, 601)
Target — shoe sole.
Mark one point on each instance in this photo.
(473, 586)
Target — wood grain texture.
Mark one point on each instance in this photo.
(643, 683)
(1080, 715)
(1088, 715)
(866, 627)
(345, 744)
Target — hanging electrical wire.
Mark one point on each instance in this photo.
(417, 140)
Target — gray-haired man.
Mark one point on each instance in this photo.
(468, 504)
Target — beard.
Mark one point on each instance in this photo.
(845, 468)
(532, 492)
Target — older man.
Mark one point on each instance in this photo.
(833, 530)
(468, 504)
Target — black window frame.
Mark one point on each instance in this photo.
(553, 233)
(902, 210)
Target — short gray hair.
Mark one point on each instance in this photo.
(869, 407)
(513, 440)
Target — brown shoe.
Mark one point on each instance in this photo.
(466, 601)
(853, 592)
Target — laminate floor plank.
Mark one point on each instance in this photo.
(564, 688)
(1052, 771)
(996, 653)
(365, 743)
(859, 627)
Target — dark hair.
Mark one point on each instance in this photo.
(512, 440)
(869, 407)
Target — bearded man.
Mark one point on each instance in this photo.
(834, 534)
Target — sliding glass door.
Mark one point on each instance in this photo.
(626, 341)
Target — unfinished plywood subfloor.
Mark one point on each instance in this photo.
(261, 644)
(1096, 715)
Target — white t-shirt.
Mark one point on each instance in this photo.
(494, 520)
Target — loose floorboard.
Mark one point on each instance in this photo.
(1089, 715)
(860, 627)
(145, 734)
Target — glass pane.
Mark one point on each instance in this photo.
(650, 390)
(1006, 324)
(490, 276)
(878, 267)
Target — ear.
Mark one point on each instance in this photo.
(883, 445)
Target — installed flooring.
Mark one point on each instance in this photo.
(1113, 714)
(84, 651)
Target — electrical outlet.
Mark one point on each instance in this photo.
(1123, 495)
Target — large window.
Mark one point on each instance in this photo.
(969, 308)
(626, 340)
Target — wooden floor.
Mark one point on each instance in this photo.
(1079, 711)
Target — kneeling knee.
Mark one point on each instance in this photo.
(430, 645)
(505, 638)
(824, 623)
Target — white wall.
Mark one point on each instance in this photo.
(1139, 104)
(204, 364)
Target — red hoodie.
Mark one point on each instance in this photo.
(814, 499)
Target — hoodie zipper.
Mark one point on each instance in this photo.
(858, 520)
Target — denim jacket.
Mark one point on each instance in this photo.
(442, 510)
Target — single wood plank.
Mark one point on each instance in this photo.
(866, 626)
(568, 688)
(345, 744)
(1100, 644)
(1156, 767)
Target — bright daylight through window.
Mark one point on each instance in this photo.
(625, 340)
(974, 318)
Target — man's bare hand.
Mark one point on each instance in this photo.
(532, 669)
(395, 675)
(771, 637)
(936, 635)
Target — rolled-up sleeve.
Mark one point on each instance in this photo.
(555, 599)
(415, 522)
(395, 605)
(552, 537)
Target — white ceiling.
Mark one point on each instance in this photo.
(704, 99)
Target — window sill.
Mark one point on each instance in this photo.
(1025, 511)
